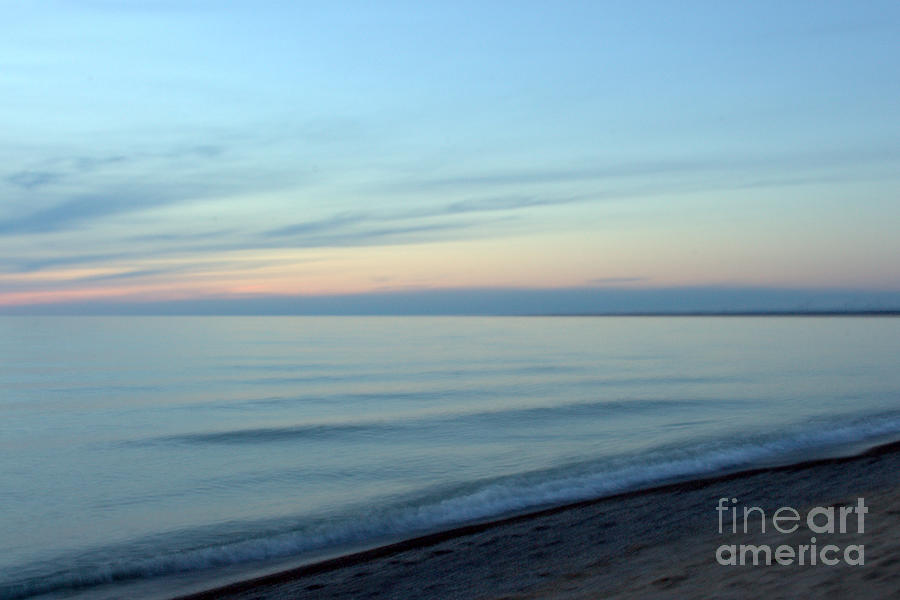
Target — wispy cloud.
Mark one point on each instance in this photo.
(715, 171)
(346, 221)
(616, 280)
(183, 237)
(87, 164)
(51, 170)
(30, 265)
(502, 203)
(74, 190)
(556, 175)
(336, 222)
(131, 274)
(33, 179)
(335, 233)
(78, 210)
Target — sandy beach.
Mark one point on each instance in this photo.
(663, 542)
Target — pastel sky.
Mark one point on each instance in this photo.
(157, 151)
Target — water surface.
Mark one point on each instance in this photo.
(138, 455)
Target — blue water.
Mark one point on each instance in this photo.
(144, 456)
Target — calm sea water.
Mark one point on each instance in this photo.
(141, 456)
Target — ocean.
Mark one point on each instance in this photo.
(144, 457)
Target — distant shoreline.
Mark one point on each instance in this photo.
(773, 313)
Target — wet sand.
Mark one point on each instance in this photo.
(659, 543)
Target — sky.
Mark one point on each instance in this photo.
(431, 156)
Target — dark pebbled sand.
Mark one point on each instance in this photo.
(658, 543)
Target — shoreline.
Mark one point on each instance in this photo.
(442, 558)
